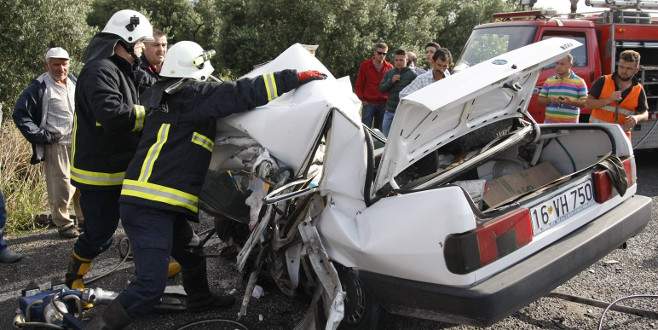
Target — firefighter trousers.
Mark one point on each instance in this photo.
(101, 213)
(154, 236)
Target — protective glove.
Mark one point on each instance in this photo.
(306, 76)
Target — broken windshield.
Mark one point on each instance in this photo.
(488, 42)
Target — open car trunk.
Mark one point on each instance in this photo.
(509, 160)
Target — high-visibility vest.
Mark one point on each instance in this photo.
(616, 112)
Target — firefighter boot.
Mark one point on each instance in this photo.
(199, 297)
(173, 268)
(77, 268)
(114, 317)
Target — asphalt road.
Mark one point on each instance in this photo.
(621, 273)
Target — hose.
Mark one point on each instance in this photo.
(217, 320)
(622, 299)
(646, 136)
(102, 275)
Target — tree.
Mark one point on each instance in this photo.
(28, 28)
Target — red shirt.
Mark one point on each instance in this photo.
(368, 79)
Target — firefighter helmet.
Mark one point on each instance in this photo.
(130, 25)
(186, 59)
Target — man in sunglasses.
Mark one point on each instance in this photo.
(371, 73)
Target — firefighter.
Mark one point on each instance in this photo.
(619, 97)
(107, 124)
(162, 183)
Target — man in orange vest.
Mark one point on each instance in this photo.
(619, 97)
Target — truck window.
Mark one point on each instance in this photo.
(488, 42)
(579, 54)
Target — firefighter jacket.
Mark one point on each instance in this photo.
(107, 123)
(174, 152)
(616, 112)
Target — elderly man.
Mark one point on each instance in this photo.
(371, 73)
(563, 94)
(44, 115)
(619, 97)
(154, 53)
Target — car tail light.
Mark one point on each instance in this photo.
(489, 242)
(603, 185)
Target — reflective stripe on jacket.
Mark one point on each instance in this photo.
(616, 112)
(174, 152)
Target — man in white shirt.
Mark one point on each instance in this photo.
(440, 63)
(44, 115)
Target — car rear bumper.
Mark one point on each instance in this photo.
(508, 291)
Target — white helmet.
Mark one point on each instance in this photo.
(130, 25)
(186, 59)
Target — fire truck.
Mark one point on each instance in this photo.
(620, 25)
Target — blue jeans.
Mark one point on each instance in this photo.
(3, 219)
(154, 235)
(386, 122)
(372, 112)
(101, 212)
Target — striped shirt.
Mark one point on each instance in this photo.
(572, 88)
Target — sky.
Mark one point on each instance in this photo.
(563, 6)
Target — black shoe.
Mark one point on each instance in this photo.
(114, 317)
(199, 297)
(8, 257)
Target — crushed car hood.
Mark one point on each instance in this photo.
(488, 92)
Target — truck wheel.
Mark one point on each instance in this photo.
(362, 311)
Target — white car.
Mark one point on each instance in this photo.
(468, 212)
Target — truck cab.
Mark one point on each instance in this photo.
(514, 30)
(604, 35)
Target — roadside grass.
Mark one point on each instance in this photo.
(21, 183)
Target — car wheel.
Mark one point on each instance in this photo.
(362, 311)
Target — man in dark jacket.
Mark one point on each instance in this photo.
(394, 81)
(107, 124)
(154, 53)
(163, 180)
(44, 115)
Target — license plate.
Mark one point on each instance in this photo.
(561, 206)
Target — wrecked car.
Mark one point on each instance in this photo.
(469, 210)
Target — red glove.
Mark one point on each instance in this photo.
(306, 76)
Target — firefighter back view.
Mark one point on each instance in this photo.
(162, 183)
(107, 124)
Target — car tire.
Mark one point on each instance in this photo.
(362, 311)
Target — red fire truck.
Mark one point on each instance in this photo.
(620, 25)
